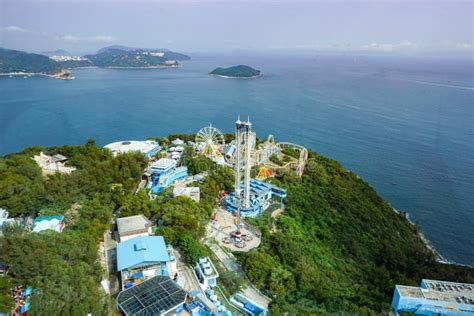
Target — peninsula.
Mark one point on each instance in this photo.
(352, 247)
(58, 63)
(241, 71)
(14, 62)
(128, 57)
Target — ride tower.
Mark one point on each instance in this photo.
(243, 164)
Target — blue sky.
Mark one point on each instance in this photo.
(396, 27)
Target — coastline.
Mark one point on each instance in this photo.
(30, 74)
(141, 67)
(230, 77)
(428, 244)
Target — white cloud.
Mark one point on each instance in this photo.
(14, 28)
(85, 39)
(463, 46)
(387, 47)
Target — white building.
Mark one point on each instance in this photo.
(206, 273)
(61, 58)
(191, 192)
(52, 164)
(177, 142)
(162, 166)
(133, 226)
(147, 147)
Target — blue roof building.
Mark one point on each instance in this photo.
(143, 257)
(160, 181)
(141, 251)
(434, 298)
(261, 194)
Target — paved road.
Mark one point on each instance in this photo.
(231, 264)
(110, 257)
(186, 278)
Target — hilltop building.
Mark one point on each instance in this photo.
(206, 273)
(434, 298)
(144, 257)
(52, 164)
(157, 296)
(191, 192)
(133, 226)
(42, 223)
(177, 142)
(162, 166)
(147, 147)
(163, 173)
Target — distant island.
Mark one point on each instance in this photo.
(58, 63)
(14, 62)
(128, 57)
(241, 71)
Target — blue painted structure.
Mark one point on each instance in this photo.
(160, 181)
(152, 151)
(261, 194)
(434, 298)
(142, 251)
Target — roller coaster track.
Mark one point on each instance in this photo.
(296, 164)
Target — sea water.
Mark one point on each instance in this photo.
(405, 125)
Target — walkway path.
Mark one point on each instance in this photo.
(231, 264)
(186, 278)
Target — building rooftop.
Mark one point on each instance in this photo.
(141, 251)
(412, 291)
(145, 147)
(156, 296)
(207, 267)
(42, 223)
(187, 191)
(258, 187)
(58, 158)
(163, 164)
(448, 291)
(177, 141)
(453, 292)
(131, 224)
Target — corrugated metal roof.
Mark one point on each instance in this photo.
(142, 250)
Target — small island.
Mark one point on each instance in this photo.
(241, 71)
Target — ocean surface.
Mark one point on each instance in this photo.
(405, 125)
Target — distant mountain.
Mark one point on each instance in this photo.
(57, 52)
(17, 61)
(241, 71)
(169, 55)
(76, 63)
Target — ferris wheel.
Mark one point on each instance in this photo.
(210, 139)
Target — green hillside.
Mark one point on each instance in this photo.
(339, 247)
(170, 55)
(114, 57)
(18, 61)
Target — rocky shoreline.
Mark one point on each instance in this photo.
(428, 244)
(63, 75)
(231, 77)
